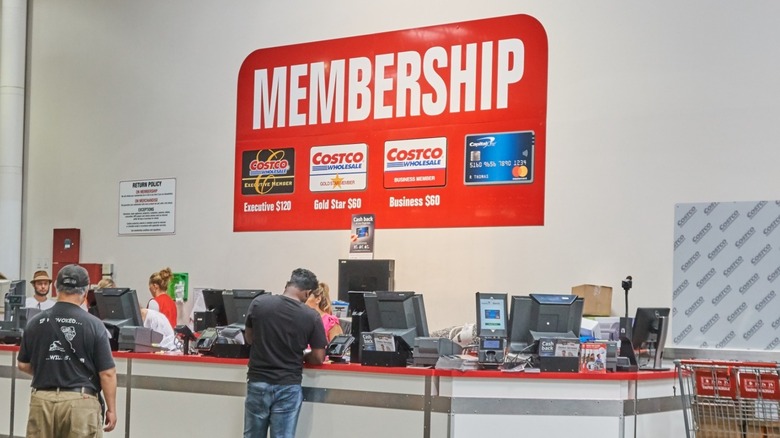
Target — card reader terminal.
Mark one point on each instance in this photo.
(491, 352)
(339, 347)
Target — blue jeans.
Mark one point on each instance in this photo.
(276, 406)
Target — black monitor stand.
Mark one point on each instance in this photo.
(626, 348)
(658, 352)
(186, 336)
(359, 325)
(627, 352)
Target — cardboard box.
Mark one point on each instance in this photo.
(598, 299)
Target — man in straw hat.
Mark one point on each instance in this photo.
(40, 298)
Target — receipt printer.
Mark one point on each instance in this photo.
(139, 339)
(428, 350)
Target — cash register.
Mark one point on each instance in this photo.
(395, 319)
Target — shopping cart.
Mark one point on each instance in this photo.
(730, 399)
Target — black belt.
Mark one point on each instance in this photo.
(83, 390)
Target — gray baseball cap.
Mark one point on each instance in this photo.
(72, 277)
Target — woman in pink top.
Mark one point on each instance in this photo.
(319, 300)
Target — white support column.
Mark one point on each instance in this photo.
(13, 47)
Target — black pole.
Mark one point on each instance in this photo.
(626, 303)
(627, 283)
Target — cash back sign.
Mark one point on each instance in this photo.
(442, 126)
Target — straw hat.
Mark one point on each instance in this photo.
(40, 276)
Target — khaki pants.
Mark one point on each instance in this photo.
(64, 414)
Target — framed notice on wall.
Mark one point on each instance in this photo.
(361, 237)
(443, 126)
(147, 206)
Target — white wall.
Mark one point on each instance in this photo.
(650, 104)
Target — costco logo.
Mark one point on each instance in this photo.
(420, 162)
(414, 157)
(338, 161)
(273, 167)
(338, 168)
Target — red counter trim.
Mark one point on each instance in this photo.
(409, 371)
(640, 375)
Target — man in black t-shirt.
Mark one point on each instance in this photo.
(280, 327)
(66, 351)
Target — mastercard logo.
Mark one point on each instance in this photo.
(520, 171)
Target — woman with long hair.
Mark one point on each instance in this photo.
(319, 300)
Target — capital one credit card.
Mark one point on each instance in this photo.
(499, 158)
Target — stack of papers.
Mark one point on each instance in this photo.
(460, 362)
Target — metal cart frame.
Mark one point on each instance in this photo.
(730, 399)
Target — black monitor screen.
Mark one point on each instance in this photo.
(237, 303)
(646, 327)
(400, 313)
(118, 307)
(13, 300)
(17, 288)
(491, 314)
(546, 315)
(520, 323)
(356, 301)
(420, 318)
(92, 303)
(365, 275)
(212, 299)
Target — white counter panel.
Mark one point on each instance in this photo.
(528, 388)
(389, 383)
(471, 426)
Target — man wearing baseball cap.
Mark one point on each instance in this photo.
(66, 351)
(40, 298)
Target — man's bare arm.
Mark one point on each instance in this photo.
(25, 367)
(315, 357)
(108, 383)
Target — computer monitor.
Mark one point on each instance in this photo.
(365, 276)
(543, 315)
(357, 302)
(520, 323)
(92, 303)
(237, 303)
(17, 287)
(357, 311)
(13, 301)
(420, 318)
(212, 299)
(491, 315)
(118, 307)
(399, 313)
(646, 326)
